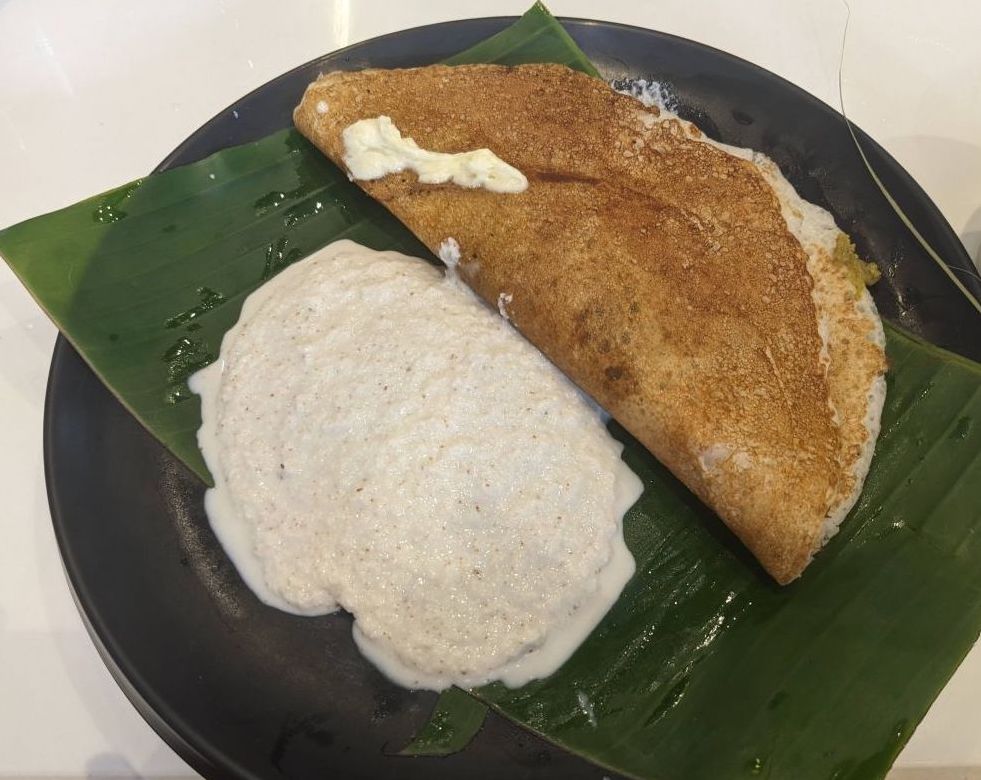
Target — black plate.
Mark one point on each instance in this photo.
(242, 690)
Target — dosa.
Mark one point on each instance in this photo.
(683, 284)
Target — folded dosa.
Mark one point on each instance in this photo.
(683, 284)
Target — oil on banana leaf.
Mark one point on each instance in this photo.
(703, 668)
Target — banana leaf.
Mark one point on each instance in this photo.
(454, 721)
(704, 668)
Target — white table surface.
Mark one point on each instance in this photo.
(94, 93)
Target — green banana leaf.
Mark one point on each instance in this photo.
(704, 668)
(454, 721)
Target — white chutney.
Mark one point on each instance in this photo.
(383, 442)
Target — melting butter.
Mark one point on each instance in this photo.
(374, 148)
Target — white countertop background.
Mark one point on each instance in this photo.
(94, 93)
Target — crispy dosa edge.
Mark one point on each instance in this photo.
(655, 270)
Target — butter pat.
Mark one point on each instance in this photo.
(374, 148)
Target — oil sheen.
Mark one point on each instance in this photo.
(383, 442)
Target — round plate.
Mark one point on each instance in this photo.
(243, 690)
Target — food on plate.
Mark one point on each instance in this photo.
(382, 441)
(680, 282)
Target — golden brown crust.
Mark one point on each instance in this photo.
(655, 270)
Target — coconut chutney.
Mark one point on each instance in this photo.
(383, 442)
